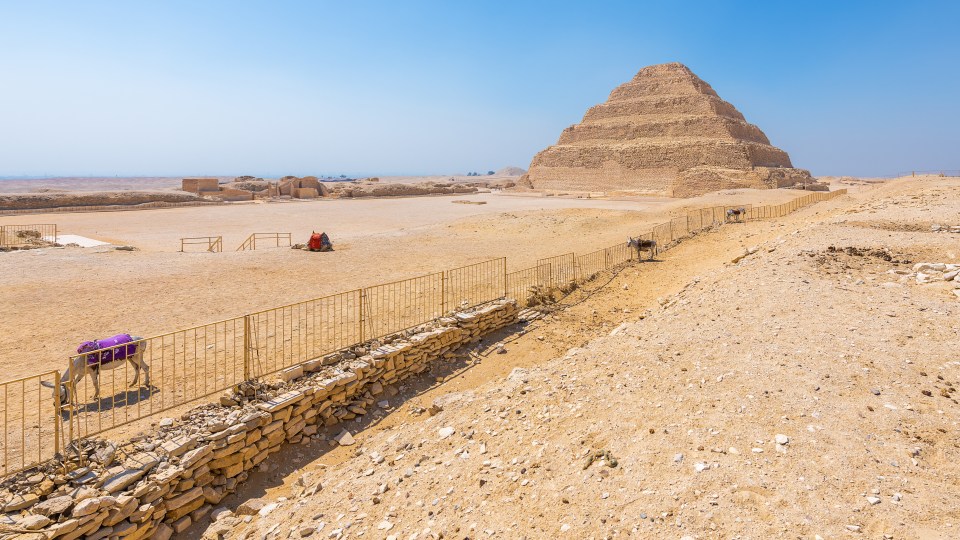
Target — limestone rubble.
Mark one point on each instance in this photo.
(158, 485)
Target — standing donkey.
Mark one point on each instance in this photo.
(97, 355)
(736, 214)
(643, 245)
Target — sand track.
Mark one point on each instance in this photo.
(54, 299)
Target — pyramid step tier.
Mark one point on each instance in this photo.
(679, 85)
(619, 130)
(676, 154)
(697, 105)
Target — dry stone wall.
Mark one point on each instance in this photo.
(155, 486)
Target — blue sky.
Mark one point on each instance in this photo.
(274, 88)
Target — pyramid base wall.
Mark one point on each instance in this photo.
(700, 180)
(611, 176)
(664, 182)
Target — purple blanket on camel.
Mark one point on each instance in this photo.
(98, 356)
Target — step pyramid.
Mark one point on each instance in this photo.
(666, 132)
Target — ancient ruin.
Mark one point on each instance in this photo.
(666, 132)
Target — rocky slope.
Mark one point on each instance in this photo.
(807, 390)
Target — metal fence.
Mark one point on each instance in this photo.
(521, 284)
(561, 269)
(23, 235)
(193, 364)
(282, 337)
(941, 172)
(30, 433)
(275, 238)
(183, 366)
(213, 244)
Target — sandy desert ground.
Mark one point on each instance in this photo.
(806, 391)
(57, 298)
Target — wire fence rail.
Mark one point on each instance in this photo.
(44, 414)
(940, 172)
(213, 244)
(276, 238)
(22, 235)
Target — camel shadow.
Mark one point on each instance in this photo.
(124, 398)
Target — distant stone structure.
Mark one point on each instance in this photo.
(666, 132)
(201, 185)
(511, 171)
(308, 187)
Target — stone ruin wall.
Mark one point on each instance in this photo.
(175, 478)
(610, 177)
(699, 180)
(198, 185)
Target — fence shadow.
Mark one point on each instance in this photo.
(123, 398)
(292, 457)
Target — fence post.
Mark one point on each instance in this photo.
(506, 289)
(56, 414)
(443, 293)
(363, 293)
(72, 386)
(246, 347)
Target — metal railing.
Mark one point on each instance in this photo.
(941, 172)
(24, 235)
(31, 428)
(190, 365)
(213, 244)
(251, 241)
(182, 367)
(562, 269)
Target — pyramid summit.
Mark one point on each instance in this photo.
(665, 132)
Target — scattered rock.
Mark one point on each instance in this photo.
(344, 438)
(250, 507)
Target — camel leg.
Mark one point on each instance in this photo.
(95, 376)
(136, 372)
(146, 371)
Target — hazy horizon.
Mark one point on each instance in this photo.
(111, 89)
